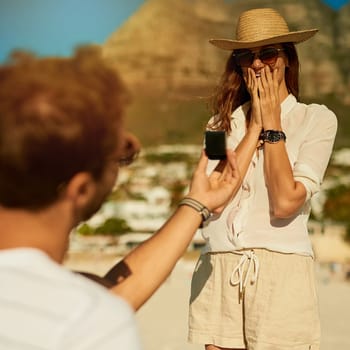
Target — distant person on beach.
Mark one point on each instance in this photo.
(62, 141)
(254, 285)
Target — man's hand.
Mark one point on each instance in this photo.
(217, 189)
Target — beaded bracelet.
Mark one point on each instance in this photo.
(194, 204)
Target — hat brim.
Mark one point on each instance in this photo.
(291, 37)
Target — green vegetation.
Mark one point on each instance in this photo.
(112, 226)
(337, 206)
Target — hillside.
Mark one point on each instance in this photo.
(163, 54)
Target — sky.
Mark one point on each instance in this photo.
(55, 27)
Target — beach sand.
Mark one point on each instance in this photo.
(163, 319)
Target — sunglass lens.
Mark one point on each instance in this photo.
(130, 151)
(128, 159)
(268, 55)
(244, 58)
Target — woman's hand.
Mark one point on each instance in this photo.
(252, 86)
(269, 101)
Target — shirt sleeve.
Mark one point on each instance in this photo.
(316, 150)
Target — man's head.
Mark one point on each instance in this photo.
(58, 117)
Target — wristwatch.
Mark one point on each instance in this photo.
(273, 136)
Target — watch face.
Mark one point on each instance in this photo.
(274, 136)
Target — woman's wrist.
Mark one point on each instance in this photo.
(254, 131)
(254, 128)
(272, 123)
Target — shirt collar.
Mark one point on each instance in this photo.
(241, 111)
(287, 105)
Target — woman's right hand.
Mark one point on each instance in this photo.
(252, 87)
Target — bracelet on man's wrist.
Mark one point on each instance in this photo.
(198, 206)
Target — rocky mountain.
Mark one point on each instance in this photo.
(163, 50)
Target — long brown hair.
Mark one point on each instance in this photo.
(232, 92)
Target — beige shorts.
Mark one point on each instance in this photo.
(277, 311)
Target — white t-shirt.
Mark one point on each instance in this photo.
(247, 221)
(45, 306)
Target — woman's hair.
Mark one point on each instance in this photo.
(232, 92)
(59, 116)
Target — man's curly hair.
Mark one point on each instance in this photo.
(58, 116)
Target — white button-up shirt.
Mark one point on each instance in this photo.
(247, 221)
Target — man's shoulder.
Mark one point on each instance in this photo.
(73, 310)
(44, 283)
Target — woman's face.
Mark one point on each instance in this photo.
(257, 58)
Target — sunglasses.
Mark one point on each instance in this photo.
(267, 55)
(130, 151)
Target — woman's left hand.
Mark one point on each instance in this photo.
(270, 105)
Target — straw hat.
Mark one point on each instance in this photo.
(260, 27)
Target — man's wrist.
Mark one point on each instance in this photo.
(197, 206)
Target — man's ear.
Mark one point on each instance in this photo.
(80, 189)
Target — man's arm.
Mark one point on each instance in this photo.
(145, 268)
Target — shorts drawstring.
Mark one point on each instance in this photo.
(248, 257)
